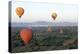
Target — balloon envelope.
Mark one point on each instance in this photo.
(61, 31)
(54, 15)
(19, 11)
(49, 29)
(26, 35)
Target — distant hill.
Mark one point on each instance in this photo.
(43, 23)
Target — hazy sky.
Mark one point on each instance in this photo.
(42, 12)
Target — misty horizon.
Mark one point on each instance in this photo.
(44, 24)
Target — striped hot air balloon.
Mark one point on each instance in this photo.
(19, 11)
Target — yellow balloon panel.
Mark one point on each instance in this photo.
(54, 15)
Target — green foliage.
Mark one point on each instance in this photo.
(43, 40)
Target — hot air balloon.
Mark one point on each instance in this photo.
(61, 31)
(49, 29)
(54, 15)
(19, 11)
(26, 35)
